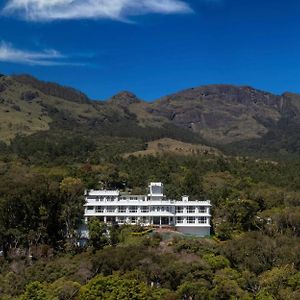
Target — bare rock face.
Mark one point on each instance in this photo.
(224, 113)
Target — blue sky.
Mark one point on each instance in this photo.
(152, 47)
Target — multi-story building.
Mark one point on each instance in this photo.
(111, 206)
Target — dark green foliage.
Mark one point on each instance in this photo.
(255, 222)
(98, 234)
(114, 287)
(53, 148)
(35, 291)
(36, 211)
(283, 140)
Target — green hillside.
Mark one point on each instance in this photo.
(235, 119)
(237, 146)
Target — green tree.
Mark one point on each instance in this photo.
(72, 196)
(36, 291)
(198, 290)
(115, 288)
(275, 279)
(98, 233)
(65, 289)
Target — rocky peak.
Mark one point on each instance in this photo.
(244, 95)
(124, 98)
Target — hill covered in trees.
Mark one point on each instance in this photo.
(236, 146)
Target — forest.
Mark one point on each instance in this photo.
(253, 252)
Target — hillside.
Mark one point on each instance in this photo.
(224, 116)
(170, 146)
(56, 143)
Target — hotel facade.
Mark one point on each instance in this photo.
(111, 206)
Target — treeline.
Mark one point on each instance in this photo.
(70, 144)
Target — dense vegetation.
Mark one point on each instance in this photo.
(253, 253)
(56, 142)
(282, 140)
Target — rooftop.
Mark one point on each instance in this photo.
(103, 192)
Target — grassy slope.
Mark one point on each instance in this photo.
(172, 146)
(243, 118)
(18, 116)
(25, 117)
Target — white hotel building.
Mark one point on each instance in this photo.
(188, 217)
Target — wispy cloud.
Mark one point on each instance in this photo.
(48, 57)
(48, 10)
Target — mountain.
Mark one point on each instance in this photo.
(239, 117)
(233, 118)
(223, 114)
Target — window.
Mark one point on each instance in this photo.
(179, 209)
(99, 209)
(179, 220)
(133, 209)
(90, 208)
(191, 220)
(202, 220)
(145, 220)
(121, 220)
(133, 220)
(165, 209)
(191, 209)
(153, 208)
(202, 209)
(110, 209)
(122, 209)
(144, 209)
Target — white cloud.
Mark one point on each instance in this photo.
(43, 58)
(47, 10)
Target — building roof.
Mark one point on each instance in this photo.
(103, 193)
(156, 184)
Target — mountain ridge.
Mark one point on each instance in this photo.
(218, 114)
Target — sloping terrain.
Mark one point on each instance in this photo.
(224, 114)
(170, 146)
(237, 118)
(29, 106)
